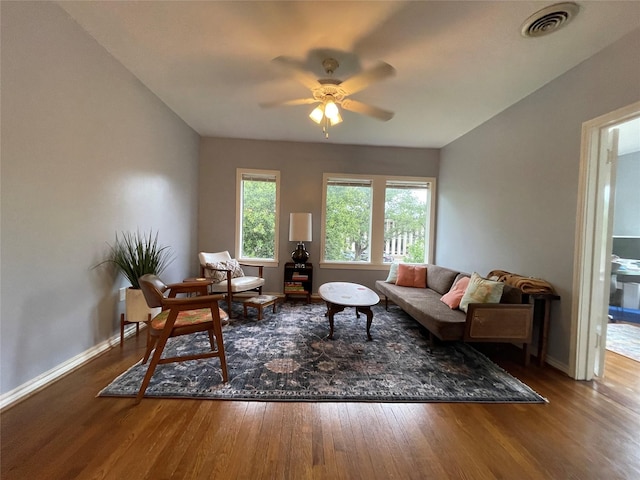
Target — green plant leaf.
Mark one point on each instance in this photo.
(136, 254)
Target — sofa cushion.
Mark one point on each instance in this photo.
(453, 297)
(440, 279)
(424, 306)
(412, 276)
(481, 290)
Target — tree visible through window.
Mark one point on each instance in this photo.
(258, 214)
(348, 220)
(405, 213)
(377, 219)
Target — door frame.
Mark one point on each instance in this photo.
(589, 278)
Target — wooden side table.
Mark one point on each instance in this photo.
(541, 314)
(298, 280)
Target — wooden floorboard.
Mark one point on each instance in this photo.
(588, 430)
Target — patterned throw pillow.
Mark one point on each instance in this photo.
(481, 290)
(236, 270)
(216, 270)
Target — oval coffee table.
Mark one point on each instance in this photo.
(340, 295)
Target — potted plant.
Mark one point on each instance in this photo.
(134, 255)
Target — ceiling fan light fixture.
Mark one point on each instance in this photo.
(317, 114)
(331, 93)
(331, 110)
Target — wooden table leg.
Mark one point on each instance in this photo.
(331, 310)
(544, 332)
(367, 311)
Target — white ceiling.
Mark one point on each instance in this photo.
(458, 63)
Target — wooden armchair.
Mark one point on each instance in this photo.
(228, 276)
(181, 316)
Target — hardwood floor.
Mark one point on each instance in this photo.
(588, 430)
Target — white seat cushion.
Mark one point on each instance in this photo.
(238, 284)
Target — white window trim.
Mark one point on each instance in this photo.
(378, 186)
(267, 262)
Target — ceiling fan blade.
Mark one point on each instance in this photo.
(356, 83)
(297, 70)
(283, 103)
(364, 109)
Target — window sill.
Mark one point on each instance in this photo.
(355, 266)
(258, 262)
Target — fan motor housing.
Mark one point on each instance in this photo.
(329, 88)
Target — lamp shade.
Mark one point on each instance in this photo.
(300, 227)
(317, 114)
(331, 110)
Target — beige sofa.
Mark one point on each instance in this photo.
(508, 321)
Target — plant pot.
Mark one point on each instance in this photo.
(136, 307)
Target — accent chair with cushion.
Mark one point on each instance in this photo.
(227, 275)
(181, 316)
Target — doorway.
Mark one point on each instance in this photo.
(592, 270)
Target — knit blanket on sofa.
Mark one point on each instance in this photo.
(525, 284)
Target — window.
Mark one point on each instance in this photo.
(405, 221)
(347, 220)
(373, 219)
(258, 205)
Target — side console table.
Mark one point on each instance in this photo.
(542, 315)
(298, 280)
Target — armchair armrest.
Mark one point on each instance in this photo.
(259, 267)
(203, 273)
(198, 287)
(200, 301)
(228, 275)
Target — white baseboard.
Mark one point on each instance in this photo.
(557, 365)
(33, 386)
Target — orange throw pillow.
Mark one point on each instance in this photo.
(453, 296)
(412, 276)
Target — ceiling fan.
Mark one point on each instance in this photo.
(331, 92)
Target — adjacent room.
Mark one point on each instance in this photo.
(623, 328)
(374, 215)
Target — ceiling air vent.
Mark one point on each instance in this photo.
(549, 19)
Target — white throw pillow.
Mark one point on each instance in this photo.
(393, 273)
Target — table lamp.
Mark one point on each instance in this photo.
(300, 231)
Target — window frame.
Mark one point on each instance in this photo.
(378, 192)
(241, 173)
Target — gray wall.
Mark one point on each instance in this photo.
(626, 218)
(301, 166)
(87, 151)
(508, 189)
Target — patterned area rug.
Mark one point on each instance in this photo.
(287, 357)
(624, 339)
